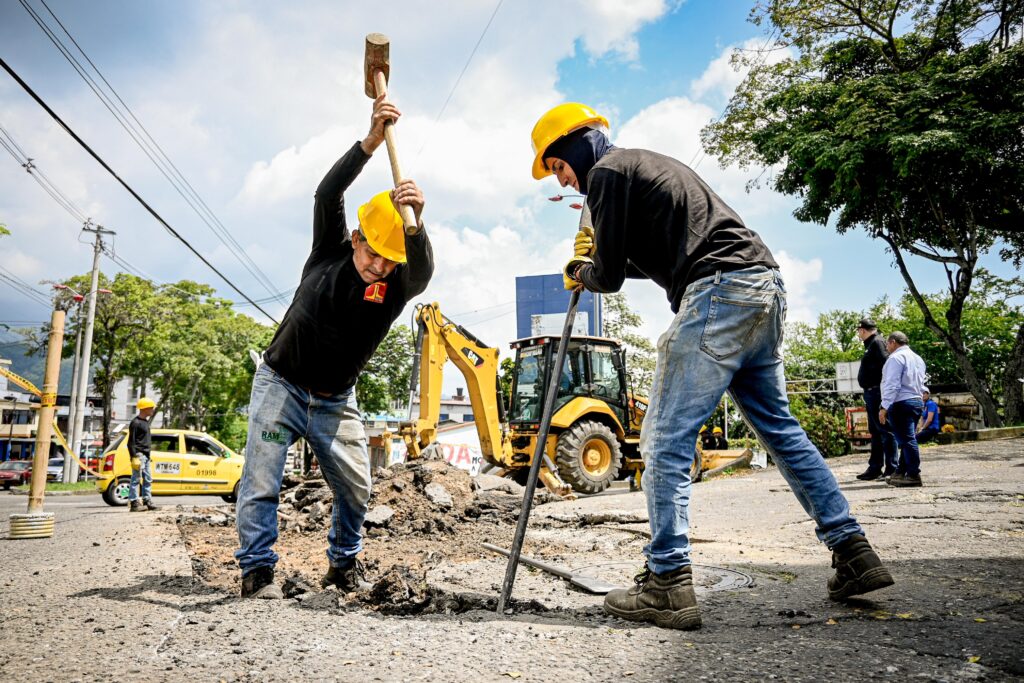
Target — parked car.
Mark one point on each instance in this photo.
(54, 469)
(183, 462)
(15, 473)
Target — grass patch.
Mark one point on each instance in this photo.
(60, 486)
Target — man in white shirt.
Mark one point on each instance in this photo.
(903, 377)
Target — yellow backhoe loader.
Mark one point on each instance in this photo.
(595, 429)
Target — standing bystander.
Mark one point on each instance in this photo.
(140, 494)
(882, 461)
(902, 384)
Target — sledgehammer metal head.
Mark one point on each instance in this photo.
(378, 58)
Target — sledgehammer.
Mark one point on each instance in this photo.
(377, 70)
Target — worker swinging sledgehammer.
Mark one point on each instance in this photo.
(653, 217)
(352, 289)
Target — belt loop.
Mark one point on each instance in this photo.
(718, 277)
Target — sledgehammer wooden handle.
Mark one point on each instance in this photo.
(377, 65)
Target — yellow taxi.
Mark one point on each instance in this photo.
(182, 462)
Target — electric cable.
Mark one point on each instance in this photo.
(25, 86)
(458, 80)
(148, 145)
(25, 288)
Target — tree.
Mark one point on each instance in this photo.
(4, 230)
(621, 322)
(904, 119)
(385, 379)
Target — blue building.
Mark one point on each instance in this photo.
(541, 303)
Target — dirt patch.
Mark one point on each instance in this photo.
(420, 516)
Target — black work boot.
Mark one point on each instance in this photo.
(135, 506)
(858, 569)
(259, 583)
(149, 504)
(666, 600)
(905, 480)
(870, 475)
(348, 577)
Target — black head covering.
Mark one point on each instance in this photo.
(581, 149)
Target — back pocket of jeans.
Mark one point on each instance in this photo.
(731, 325)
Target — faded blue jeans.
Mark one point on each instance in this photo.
(280, 413)
(141, 485)
(727, 336)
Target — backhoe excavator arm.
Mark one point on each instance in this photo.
(440, 340)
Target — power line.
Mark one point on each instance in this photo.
(126, 186)
(23, 287)
(148, 144)
(8, 142)
(763, 57)
(458, 80)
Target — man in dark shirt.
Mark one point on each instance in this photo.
(139, 442)
(352, 290)
(882, 461)
(653, 217)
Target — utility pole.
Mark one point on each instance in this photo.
(71, 473)
(75, 367)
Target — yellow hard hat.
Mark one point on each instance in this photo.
(562, 120)
(145, 403)
(703, 429)
(716, 430)
(382, 227)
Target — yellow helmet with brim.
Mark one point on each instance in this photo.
(381, 226)
(557, 122)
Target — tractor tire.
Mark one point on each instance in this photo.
(588, 456)
(697, 468)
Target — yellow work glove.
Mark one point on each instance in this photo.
(584, 243)
(136, 464)
(568, 279)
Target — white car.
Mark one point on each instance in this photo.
(55, 469)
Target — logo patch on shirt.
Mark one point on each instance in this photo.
(274, 437)
(375, 292)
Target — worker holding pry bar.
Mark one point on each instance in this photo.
(653, 217)
(352, 289)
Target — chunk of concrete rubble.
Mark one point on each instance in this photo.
(294, 586)
(438, 495)
(379, 516)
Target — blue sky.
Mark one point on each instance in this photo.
(255, 100)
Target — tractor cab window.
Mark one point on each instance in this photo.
(605, 376)
(529, 387)
(572, 378)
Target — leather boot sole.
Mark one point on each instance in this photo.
(871, 580)
(687, 619)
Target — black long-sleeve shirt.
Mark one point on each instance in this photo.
(654, 217)
(331, 328)
(870, 374)
(140, 440)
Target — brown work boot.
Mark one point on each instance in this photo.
(149, 504)
(348, 577)
(135, 506)
(905, 480)
(858, 569)
(666, 600)
(259, 583)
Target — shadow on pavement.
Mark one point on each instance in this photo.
(150, 588)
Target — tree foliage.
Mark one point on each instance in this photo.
(622, 322)
(901, 118)
(385, 380)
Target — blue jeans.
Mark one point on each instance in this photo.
(146, 483)
(280, 413)
(902, 418)
(727, 335)
(883, 445)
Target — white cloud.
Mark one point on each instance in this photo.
(800, 277)
(721, 76)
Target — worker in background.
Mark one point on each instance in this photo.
(140, 493)
(707, 439)
(882, 461)
(928, 425)
(352, 289)
(719, 440)
(655, 218)
(902, 387)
